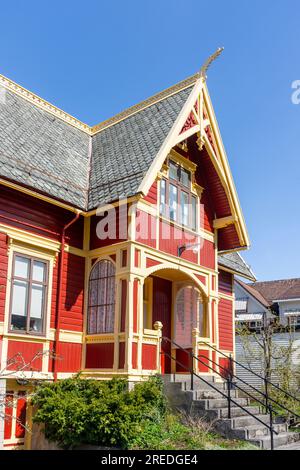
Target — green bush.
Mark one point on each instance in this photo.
(83, 411)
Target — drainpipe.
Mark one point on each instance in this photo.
(59, 305)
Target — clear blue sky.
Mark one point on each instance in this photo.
(96, 58)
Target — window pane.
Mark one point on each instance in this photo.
(102, 295)
(194, 214)
(36, 307)
(22, 267)
(184, 202)
(92, 326)
(101, 313)
(173, 202)
(19, 300)
(173, 172)
(110, 314)
(19, 305)
(162, 206)
(39, 271)
(36, 301)
(185, 177)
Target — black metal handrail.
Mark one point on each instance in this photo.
(269, 409)
(267, 397)
(220, 392)
(252, 372)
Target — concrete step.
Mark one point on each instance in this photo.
(280, 440)
(213, 403)
(256, 431)
(236, 411)
(213, 394)
(247, 420)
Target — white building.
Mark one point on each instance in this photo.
(251, 308)
(259, 300)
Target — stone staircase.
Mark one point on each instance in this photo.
(206, 402)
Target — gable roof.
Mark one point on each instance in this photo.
(254, 293)
(284, 289)
(122, 153)
(46, 149)
(235, 263)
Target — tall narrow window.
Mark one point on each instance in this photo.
(28, 294)
(101, 306)
(177, 201)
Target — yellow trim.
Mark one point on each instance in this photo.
(18, 236)
(91, 130)
(183, 161)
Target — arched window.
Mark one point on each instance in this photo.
(188, 315)
(101, 304)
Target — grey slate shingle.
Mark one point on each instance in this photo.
(43, 152)
(235, 262)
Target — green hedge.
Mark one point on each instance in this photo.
(83, 411)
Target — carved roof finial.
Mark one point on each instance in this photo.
(214, 56)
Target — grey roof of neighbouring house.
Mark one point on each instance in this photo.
(235, 262)
(43, 152)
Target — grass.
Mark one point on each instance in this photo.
(177, 432)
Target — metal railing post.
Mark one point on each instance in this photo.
(192, 370)
(229, 397)
(271, 426)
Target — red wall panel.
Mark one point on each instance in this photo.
(123, 304)
(21, 353)
(151, 262)
(69, 357)
(21, 415)
(225, 282)
(225, 366)
(203, 355)
(116, 224)
(22, 211)
(3, 273)
(152, 194)
(134, 355)
(184, 363)
(135, 304)
(171, 237)
(149, 356)
(225, 325)
(162, 310)
(121, 355)
(99, 356)
(145, 231)
(73, 289)
(207, 254)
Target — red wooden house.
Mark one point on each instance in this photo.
(110, 237)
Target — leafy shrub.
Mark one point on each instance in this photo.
(77, 411)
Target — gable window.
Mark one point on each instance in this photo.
(101, 304)
(177, 202)
(28, 294)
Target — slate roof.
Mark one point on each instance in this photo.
(122, 153)
(235, 262)
(43, 152)
(283, 289)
